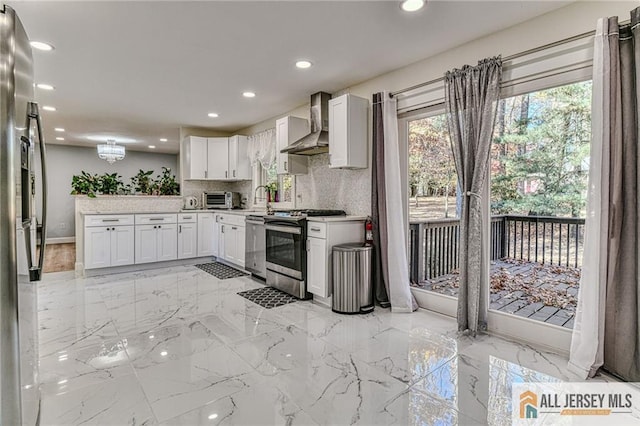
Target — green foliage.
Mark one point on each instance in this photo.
(166, 184)
(112, 184)
(143, 182)
(541, 152)
(85, 184)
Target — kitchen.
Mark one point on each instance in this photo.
(273, 153)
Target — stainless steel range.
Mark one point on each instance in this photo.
(286, 241)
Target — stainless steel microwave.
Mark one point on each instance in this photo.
(221, 200)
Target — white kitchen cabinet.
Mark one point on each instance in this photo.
(232, 238)
(187, 235)
(348, 132)
(207, 238)
(194, 157)
(108, 241)
(321, 237)
(218, 158)
(317, 266)
(290, 129)
(239, 163)
(156, 237)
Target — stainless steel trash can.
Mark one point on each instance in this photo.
(352, 287)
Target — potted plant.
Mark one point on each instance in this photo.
(166, 184)
(142, 182)
(85, 184)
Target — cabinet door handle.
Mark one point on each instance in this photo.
(206, 174)
(285, 167)
(234, 173)
(226, 173)
(179, 229)
(159, 226)
(314, 229)
(222, 229)
(155, 227)
(308, 245)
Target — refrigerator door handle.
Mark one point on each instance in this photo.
(35, 272)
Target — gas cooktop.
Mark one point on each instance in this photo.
(308, 213)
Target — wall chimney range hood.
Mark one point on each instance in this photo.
(316, 142)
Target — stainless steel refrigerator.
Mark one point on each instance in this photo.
(22, 151)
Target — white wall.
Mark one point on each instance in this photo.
(65, 161)
(346, 186)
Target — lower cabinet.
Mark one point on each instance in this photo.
(156, 237)
(155, 243)
(108, 246)
(232, 239)
(321, 237)
(207, 238)
(108, 241)
(187, 236)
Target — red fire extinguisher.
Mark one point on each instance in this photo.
(368, 231)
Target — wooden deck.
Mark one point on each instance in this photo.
(546, 293)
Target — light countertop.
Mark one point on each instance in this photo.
(336, 218)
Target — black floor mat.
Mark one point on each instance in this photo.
(268, 297)
(220, 270)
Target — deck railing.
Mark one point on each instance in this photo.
(434, 246)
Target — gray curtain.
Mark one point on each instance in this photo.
(378, 206)
(471, 97)
(621, 350)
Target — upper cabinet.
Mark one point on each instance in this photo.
(217, 158)
(288, 130)
(348, 132)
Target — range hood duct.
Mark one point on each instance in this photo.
(316, 142)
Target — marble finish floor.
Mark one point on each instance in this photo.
(176, 346)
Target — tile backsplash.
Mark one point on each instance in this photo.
(326, 188)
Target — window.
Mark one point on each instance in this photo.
(432, 172)
(284, 187)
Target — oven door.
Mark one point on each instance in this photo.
(286, 252)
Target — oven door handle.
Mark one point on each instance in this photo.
(285, 229)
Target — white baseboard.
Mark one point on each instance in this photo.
(61, 240)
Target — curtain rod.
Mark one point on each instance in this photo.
(507, 58)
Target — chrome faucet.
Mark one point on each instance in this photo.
(255, 199)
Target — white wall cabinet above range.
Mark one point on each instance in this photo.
(218, 158)
(156, 237)
(348, 132)
(108, 241)
(290, 129)
(321, 237)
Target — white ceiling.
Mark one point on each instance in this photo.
(140, 70)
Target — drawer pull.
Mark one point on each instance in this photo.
(315, 229)
(156, 218)
(233, 228)
(111, 220)
(186, 217)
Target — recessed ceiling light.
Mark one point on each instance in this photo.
(213, 416)
(59, 129)
(303, 64)
(163, 139)
(212, 115)
(163, 353)
(152, 147)
(249, 95)
(412, 5)
(44, 86)
(59, 138)
(40, 45)
(48, 108)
